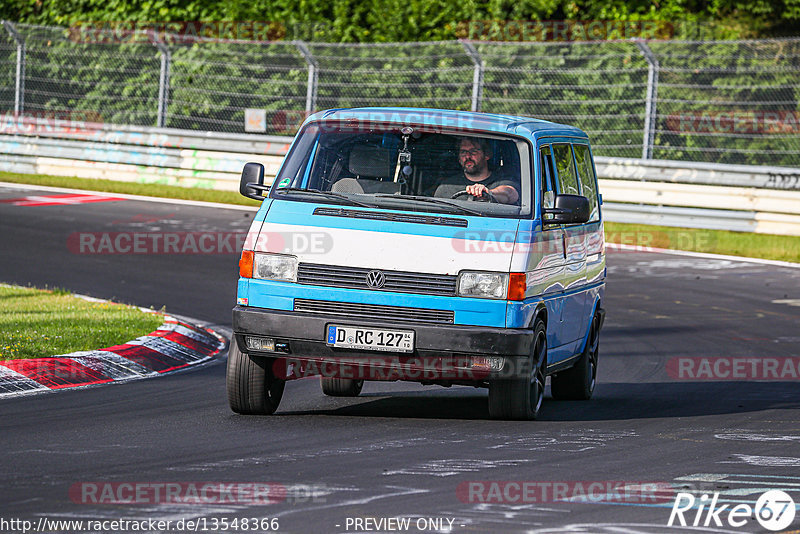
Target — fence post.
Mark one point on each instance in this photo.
(651, 99)
(477, 75)
(19, 84)
(311, 88)
(163, 81)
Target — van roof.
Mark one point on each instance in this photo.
(448, 118)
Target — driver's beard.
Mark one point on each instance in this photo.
(476, 171)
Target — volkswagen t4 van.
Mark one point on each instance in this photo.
(439, 247)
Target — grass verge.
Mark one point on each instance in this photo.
(766, 246)
(36, 323)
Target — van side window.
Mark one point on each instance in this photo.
(546, 168)
(567, 178)
(587, 178)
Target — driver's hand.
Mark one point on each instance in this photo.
(477, 190)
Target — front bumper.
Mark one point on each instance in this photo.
(302, 337)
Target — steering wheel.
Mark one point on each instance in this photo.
(487, 196)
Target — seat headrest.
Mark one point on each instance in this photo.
(371, 161)
(347, 185)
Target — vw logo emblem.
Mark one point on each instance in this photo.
(376, 279)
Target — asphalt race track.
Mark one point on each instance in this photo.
(403, 450)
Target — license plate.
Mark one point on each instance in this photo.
(356, 337)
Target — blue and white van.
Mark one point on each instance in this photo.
(440, 247)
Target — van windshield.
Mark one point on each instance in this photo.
(409, 168)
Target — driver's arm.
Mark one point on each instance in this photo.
(505, 194)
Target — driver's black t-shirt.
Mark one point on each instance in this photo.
(458, 182)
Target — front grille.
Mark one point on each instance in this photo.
(356, 278)
(352, 310)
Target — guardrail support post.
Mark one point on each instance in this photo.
(311, 88)
(19, 84)
(477, 75)
(163, 82)
(651, 99)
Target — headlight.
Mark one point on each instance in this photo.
(482, 285)
(275, 267)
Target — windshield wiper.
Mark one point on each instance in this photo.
(329, 194)
(432, 201)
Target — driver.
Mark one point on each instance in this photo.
(473, 156)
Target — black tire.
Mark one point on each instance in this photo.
(521, 396)
(341, 387)
(252, 386)
(578, 382)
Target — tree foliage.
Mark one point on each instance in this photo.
(420, 20)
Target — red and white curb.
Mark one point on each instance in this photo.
(176, 344)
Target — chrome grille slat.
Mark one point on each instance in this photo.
(373, 311)
(396, 281)
(326, 268)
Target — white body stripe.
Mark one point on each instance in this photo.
(371, 249)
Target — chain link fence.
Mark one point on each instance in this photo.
(8, 75)
(714, 101)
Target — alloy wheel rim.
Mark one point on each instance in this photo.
(593, 352)
(537, 374)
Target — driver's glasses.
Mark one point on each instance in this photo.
(474, 153)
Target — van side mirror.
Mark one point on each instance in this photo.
(569, 209)
(251, 183)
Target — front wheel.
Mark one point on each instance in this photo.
(577, 382)
(341, 387)
(521, 396)
(252, 386)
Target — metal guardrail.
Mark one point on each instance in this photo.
(669, 193)
(736, 221)
(699, 173)
(146, 155)
(740, 198)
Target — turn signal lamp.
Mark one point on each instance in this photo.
(246, 264)
(516, 286)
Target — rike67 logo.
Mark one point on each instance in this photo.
(774, 510)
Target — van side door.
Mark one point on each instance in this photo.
(548, 259)
(574, 317)
(595, 239)
(595, 251)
